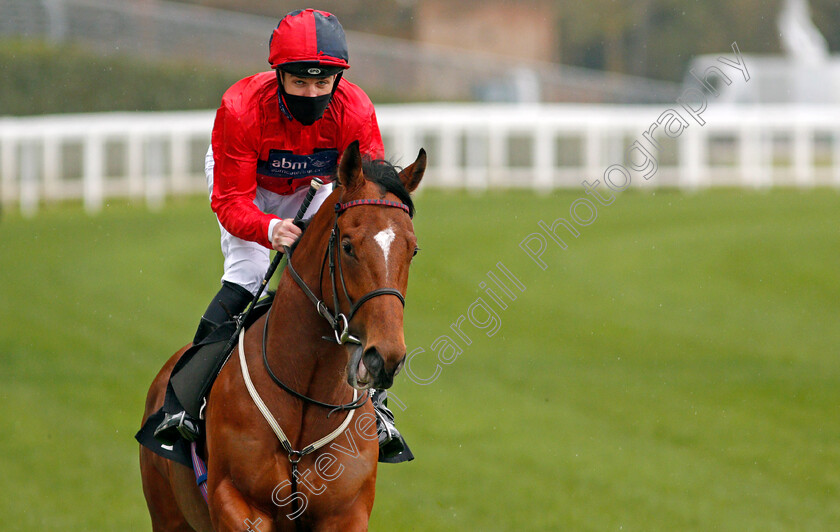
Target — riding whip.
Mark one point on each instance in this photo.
(313, 188)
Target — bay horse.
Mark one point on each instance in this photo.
(251, 475)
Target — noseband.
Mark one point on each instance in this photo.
(339, 321)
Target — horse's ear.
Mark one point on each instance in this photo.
(350, 167)
(412, 174)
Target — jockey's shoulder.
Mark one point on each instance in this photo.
(351, 99)
(242, 95)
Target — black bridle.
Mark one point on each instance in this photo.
(339, 322)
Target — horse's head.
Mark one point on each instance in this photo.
(374, 245)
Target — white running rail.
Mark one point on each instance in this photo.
(149, 156)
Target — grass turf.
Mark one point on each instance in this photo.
(675, 368)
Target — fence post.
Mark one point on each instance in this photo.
(803, 156)
(543, 158)
(134, 164)
(52, 167)
(8, 159)
(476, 159)
(179, 146)
(750, 156)
(593, 153)
(29, 178)
(405, 144)
(693, 158)
(155, 184)
(449, 156)
(93, 185)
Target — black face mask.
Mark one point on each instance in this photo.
(306, 109)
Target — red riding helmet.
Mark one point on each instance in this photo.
(309, 43)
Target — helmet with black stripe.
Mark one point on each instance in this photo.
(309, 43)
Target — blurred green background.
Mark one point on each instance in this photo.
(676, 368)
(33, 82)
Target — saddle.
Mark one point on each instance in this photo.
(188, 378)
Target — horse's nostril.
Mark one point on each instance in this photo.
(373, 361)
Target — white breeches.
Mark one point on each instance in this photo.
(246, 262)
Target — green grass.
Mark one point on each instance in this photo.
(676, 368)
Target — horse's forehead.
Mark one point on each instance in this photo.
(372, 190)
(375, 220)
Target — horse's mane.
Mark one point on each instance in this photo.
(386, 175)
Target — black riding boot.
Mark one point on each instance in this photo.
(392, 446)
(228, 302)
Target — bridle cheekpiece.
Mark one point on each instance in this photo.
(340, 322)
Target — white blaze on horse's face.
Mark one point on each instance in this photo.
(385, 238)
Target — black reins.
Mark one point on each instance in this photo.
(333, 408)
(339, 322)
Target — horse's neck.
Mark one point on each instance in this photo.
(296, 350)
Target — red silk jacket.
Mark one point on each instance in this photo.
(256, 143)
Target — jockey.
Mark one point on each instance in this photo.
(274, 132)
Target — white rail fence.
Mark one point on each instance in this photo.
(149, 156)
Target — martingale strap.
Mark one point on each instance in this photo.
(294, 455)
(272, 422)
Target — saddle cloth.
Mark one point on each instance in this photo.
(187, 379)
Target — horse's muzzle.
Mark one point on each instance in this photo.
(367, 369)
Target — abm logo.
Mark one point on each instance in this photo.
(286, 164)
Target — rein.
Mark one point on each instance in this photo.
(356, 403)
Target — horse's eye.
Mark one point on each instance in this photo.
(416, 250)
(347, 247)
